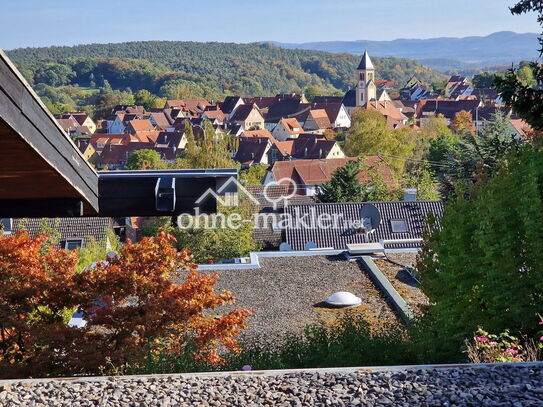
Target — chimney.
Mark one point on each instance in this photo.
(410, 194)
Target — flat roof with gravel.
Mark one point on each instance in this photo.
(284, 291)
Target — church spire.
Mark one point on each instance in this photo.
(366, 63)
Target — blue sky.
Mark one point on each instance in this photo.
(61, 22)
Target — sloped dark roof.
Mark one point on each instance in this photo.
(68, 228)
(366, 63)
(251, 149)
(338, 236)
(118, 154)
(282, 109)
(265, 235)
(242, 112)
(230, 103)
(350, 98)
(312, 146)
(487, 113)
(486, 93)
(448, 108)
(328, 99)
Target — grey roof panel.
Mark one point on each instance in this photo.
(342, 233)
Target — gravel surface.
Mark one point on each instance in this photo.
(402, 281)
(500, 386)
(284, 291)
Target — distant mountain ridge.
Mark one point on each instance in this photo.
(445, 53)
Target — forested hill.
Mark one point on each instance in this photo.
(209, 70)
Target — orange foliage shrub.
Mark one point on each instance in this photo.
(149, 298)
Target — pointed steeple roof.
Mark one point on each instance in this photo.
(366, 62)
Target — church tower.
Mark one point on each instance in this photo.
(365, 77)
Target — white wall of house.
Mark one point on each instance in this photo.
(311, 190)
(336, 152)
(281, 133)
(89, 123)
(343, 118)
(253, 121)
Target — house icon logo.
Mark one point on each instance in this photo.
(224, 194)
(227, 196)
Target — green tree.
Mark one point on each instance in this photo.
(484, 80)
(97, 250)
(144, 160)
(435, 126)
(344, 185)
(375, 189)
(210, 240)
(211, 151)
(422, 178)
(253, 176)
(311, 92)
(54, 74)
(525, 75)
(484, 265)
(441, 148)
(369, 135)
(145, 98)
(479, 155)
(439, 87)
(526, 99)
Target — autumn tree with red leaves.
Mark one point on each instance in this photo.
(150, 297)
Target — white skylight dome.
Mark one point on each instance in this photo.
(343, 299)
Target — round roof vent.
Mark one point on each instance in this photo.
(343, 299)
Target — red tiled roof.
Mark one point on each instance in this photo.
(317, 172)
(292, 125)
(258, 133)
(118, 154)
(524, 129)
(387, 109)
(140, 125)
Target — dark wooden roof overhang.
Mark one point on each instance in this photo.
(43, 173)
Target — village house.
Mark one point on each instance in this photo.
(170, 145)
(428, 109)
(253, 151)
(317, 121)
(139, 126)
(248, 117)
(160, 120)
(230, 104)
(287, 129)
(310, 174)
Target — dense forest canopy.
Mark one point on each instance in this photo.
(210, 70)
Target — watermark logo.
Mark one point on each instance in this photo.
(274, 195)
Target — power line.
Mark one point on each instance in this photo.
(396, 157)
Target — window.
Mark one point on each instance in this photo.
(72, 244)
(398, 225)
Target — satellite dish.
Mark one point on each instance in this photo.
(310, 245)
(285, 247)
(370, 216)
